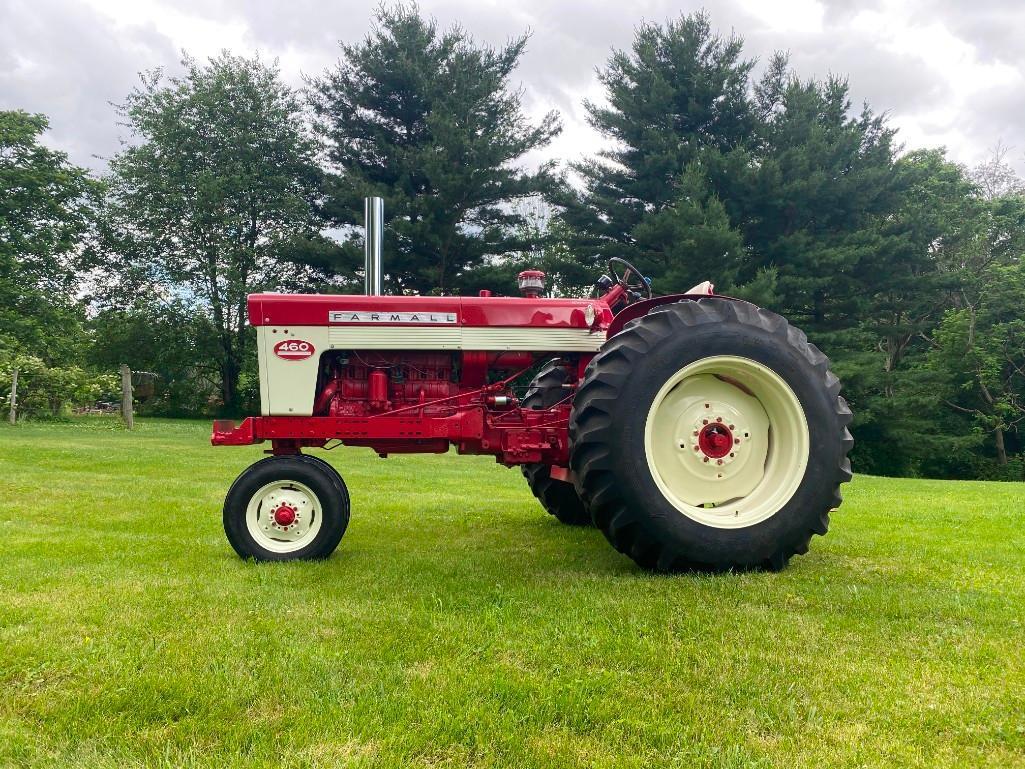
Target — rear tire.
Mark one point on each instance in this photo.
(286, 508)
(710, 435)
(559, 498)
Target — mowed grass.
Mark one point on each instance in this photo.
(459, 625)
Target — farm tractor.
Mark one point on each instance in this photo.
(694, 430)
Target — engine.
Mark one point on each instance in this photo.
(362, 383)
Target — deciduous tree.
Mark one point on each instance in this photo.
(46, 209)
(980, 348)
(217, 177)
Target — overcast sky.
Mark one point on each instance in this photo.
(949, 72)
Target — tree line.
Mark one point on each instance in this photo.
(902, 265)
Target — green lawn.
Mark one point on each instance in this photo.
(459, 625)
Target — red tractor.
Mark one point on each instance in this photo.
(696, 431)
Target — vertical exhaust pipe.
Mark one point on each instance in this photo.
(373, 243)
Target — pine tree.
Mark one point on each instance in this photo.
(680, 94)
(690, 239)
(810, 200)
(427, 119)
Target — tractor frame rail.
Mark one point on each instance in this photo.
(517, 436)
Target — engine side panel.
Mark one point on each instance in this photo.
(288, 382)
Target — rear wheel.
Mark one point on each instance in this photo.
(286, 508)
(557, 497)
(733, 446)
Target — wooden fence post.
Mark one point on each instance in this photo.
(13, 417)
(126, 396)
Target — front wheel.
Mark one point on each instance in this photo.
(710, 434)
(286, 508)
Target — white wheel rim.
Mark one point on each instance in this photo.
(284, 516)
(734, 482)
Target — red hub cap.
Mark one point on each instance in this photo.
(284, 516)
(715, 440)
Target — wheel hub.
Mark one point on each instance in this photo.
(715, 440)
(715, 433)
(285, 515)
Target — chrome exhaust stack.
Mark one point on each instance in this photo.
(373, 243)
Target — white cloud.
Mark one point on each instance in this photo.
(203, 36)
(801, 17)
(947, 72)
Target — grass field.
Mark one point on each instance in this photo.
(458, 625)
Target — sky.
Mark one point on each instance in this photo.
(948, 72)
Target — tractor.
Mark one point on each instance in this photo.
(696, 431)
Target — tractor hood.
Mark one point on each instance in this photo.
(346, 310)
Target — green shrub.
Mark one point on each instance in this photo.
(46, 392)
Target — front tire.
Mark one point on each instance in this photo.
(710, 435)
(286, 508)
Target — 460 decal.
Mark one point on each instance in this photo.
(294, 349)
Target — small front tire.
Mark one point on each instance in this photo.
(286, 508)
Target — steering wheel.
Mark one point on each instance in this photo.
(638, 284)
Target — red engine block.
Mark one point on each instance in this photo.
(363, 383)
(369, 382)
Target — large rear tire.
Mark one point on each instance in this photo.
(559, 498)
(710, 434)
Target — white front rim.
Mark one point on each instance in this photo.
(727, 442)
(284, 516)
